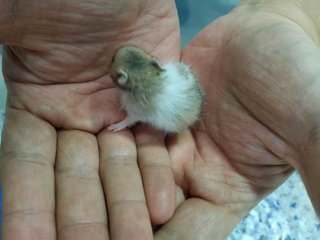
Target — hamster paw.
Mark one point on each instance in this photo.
(128, 122)
(117, 126)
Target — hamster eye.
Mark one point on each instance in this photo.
(154, 64)
(112, 60)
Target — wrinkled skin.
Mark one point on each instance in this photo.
(60, 96)
(260, 121)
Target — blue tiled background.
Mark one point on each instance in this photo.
(0, 210)
(1, 123)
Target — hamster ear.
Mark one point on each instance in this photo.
(156, 66)
(123, 77)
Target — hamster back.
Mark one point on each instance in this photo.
(179, 103)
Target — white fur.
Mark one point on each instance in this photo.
(177, 106)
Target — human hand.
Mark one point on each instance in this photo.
(190, 173)
(59, 71)
(259, 67)
(55, 172)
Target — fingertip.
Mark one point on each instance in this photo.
(160, 194)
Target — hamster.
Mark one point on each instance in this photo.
(166, 97)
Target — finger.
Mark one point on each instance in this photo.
(198, 219)
(157, 175)
(27, 177)
(180, 198)
(127, 209)
(81, 211)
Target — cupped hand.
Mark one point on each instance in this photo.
(59, 179)
(260, 72)
(59, 69)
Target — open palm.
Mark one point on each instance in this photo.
(259, 71)
(55, 172)
(60, 71)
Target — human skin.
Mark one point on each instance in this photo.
(260, 68)
(56, 164)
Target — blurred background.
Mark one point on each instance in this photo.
(195, 15)
(3, 91)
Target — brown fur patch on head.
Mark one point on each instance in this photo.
(134, 63)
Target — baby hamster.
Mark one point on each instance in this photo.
(168, 98)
